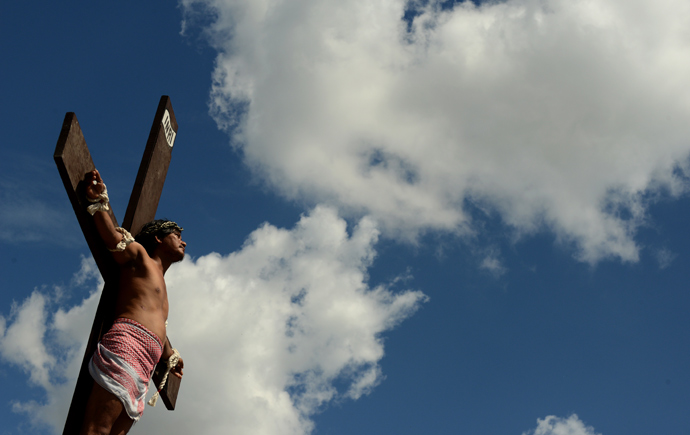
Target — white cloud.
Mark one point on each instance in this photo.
(48, 343)
(269, 334)
(553, 425)
(558, 114)
(493, 265)
(665, 257)
(21, 342)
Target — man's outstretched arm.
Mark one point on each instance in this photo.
(114, 239)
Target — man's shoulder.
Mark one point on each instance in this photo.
(133, 255)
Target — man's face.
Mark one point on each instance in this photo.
(173, 244)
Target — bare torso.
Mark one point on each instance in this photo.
(143, 296)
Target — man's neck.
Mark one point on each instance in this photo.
(163, 263)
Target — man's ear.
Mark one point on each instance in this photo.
(158, 240)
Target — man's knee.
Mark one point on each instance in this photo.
(102, 410)
(122, 425)
(95, 428)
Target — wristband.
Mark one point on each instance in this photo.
(100, 203)
(126, 240)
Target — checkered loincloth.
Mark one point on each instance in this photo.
(124, 361)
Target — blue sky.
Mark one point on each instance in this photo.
(470, 222)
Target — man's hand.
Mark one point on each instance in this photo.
(93, 190)
(177, 370)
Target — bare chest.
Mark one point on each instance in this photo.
(145, 287)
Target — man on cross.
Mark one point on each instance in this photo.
(127, 354)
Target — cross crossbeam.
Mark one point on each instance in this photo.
(74, 161)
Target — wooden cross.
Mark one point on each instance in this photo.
(74, 162)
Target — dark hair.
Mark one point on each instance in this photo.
(158, 228)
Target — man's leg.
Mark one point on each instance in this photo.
(122, 425)
(102, 412)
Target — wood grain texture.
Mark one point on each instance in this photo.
(148, 186)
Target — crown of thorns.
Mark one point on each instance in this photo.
(155, 228)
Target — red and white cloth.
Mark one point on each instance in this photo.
(124, 361)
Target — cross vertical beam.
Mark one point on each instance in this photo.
(154, 166)
(74, 161)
